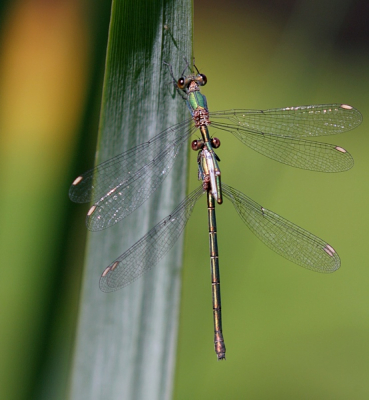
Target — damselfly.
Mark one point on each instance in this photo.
(120, 185)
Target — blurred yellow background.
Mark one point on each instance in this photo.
(47, 96)
(290, 333)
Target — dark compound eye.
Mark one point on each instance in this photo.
(215, 142)
(197, 145)
(204, 79)
(181, 83)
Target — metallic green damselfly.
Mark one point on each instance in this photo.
(120, 185)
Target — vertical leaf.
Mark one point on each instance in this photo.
(126, 340)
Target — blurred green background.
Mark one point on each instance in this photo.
(290, 333)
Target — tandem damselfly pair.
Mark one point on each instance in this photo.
(117, 187)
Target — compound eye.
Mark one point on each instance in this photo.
(197, 144)
(215, 142)
(181, 83)
(204, 79)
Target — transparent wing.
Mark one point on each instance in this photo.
(120, 185)
(284, 237)
(277, 133)
(302, 121)
(149, 249)
(299, 153)
(98, 181)
(129, 195)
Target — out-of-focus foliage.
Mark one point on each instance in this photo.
(51, 60)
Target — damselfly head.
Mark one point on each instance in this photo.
(191, 82)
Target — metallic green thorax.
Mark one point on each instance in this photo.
(196, 100)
